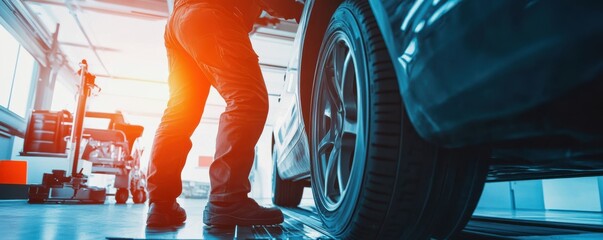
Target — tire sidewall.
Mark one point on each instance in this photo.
(339, 219)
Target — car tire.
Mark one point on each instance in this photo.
(287, 193)
(373, 176)
(458, 183)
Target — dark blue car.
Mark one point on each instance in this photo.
(399, 111)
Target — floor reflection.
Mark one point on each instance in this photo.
(19, 220)
(290, 229)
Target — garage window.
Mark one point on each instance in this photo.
(17, 71)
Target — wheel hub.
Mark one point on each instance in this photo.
(336, 125)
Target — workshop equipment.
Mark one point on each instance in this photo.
(113, 151)
(46, 133)
(57, 187)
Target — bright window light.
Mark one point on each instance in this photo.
(9, 47)
(24, 73)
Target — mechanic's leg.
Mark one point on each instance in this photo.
(221, 47)
(224, 51)
(241, 84)
(188, 92)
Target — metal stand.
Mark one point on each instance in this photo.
(56, 186)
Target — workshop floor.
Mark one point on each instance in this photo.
(20, 220)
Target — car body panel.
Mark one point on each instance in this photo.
(459, 63)
(291, 145)
(501, 73)
(291, 148)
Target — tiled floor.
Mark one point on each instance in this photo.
(20, 220)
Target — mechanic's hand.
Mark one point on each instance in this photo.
(289, 9)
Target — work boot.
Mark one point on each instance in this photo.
(243, 213)
(165, 215)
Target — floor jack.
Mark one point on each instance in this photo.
(56, 186)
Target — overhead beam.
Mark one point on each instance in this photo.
(106, 49)
(140, 9)
(263, 66)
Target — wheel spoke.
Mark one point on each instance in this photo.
(342, 176)
(349, 87)
(327, 123)
(337, 63)
(344, 168)
(330, 172)
(346, 71)
(339, 55)
(327, 112)
(326, 142)
(350, 126)
(334, 93)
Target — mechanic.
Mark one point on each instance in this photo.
(208, 44)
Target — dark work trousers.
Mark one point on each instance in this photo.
(208, 45)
